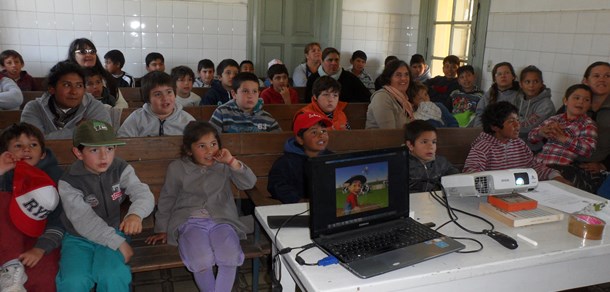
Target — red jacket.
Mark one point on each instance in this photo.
(270, 96)
(339, 118)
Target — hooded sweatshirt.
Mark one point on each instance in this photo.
(25, 82)
(532, 112)
(229, 118)
(426, 176)
(424, 76)
(143, 122)
(10, 94)
(216, 95)
(506, 95)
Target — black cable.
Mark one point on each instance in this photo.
(277, 264)
(300, 260)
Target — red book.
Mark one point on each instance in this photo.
(512, 202)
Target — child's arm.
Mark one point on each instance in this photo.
(241, 175)
(476, 160)
(542, 131)
(49, 240)
(10, 94)
(7, 162)
(142, 201)
(585, 141)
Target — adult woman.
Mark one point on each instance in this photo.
(352, 89)
(390, 107)
(313, 59)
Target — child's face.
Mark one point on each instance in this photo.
(68, 91)
(26, 148)
(355, 187)
(204, 150)
(358, 64)
(422, 95)
(246, 95)
(466, 81)
(510, 129)
(207, 75)
(314, 140)
(504, 78)
(599, 80)
(279, 81)
(417, 69)
(424, 147)
(578, 103)
(247, 68)
(112, 67)
(226, 78)
(331, 64)
(95, 85)
(531, 84)
(13, 67)
(156, 65)
(328, 100)
(184, 85)
(450, 70)
(96, 159)
(85, 60)
(162, 100)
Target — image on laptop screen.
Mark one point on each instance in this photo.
(361, 188)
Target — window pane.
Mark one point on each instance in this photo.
(463, 11)
(444, 8)
(461, 40)
(437, 68)
(442, 36)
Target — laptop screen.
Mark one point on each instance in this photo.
(351, 190)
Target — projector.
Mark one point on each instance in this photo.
(495, 182)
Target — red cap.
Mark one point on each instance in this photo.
(308, 119)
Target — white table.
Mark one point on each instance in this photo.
(559, 261)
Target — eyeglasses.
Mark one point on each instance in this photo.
(85, 51)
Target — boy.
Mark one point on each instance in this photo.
(39, 254)
(94, 84)
(155, 62)
(354, 185)
(286, 177)
(206, 73)
(244, 113)
(161, 114)
(182, 77)
(220, 92)
(114, 62)
(441, 86)
(279, 92)
(325, 101)
(94, 249)
(419, 69)
(464, 100)
(13, 63)
(248, 66)
(425, 167)
(433, 112)
(358, 62)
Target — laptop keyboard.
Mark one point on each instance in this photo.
(380, 241)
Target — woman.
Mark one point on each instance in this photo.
(390, 107)
(313, 59)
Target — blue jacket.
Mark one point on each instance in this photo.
(217, 95)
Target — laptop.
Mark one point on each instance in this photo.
(361, 199)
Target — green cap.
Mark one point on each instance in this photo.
(95, 133)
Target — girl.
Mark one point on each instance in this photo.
(504, 88)
(196, 210)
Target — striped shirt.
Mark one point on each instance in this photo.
(229, 118)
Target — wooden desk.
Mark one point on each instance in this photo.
(560, 261)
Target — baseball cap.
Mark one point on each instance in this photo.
(34, 197)
(95, 133)
(307, 119)
(273, 62)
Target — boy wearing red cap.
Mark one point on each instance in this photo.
(286, 178)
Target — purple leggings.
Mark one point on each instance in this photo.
(202, 244)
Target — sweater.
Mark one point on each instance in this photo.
(352, 89)
(216, 95)
(337, 117)
(532, 112)
(11, 97)
(271, 96)
(506, 95)
(124, 80)
(385, 112)
(192, 100)
(143, 122)
(229, 118)
(426, 176)
(465, 105)
(439, 89)
(25, 81)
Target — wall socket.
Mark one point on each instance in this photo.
(490, 65)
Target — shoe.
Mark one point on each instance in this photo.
(12, 277)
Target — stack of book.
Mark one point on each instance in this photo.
(517, 210)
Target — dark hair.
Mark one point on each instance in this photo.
(83, 43)
(224, 64)
(181, 71)
(325, 83)
(116, 57)
(388, 71)
(358, 54)
(277, 69)
(452, 59)
(415, 128)
(493, 90)
(389, 59)
(153, 79)
(16, 130)
(205, 64)
(89, 72)
(495, 114)
(417, 59)
(415, 87)
(531, 69)
(153, 56)
(63, 68)
(575, 87)
(10, 53)
(193, 132)
(329, 51)
(241, 77)
(595, 64)
(245, 62)
(465, 68)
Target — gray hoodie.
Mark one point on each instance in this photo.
(143, 122)
(506, 95)
(533, 112)
(10, 94)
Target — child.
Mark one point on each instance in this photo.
(441, 86)
(286, 177)
(114, 62)
(248, 66)
(155, 62)
(568, 135)
(499, 147)
(12, 62)
(464, 100)
(325, 101)
(534, 103)
(10, 94)
(220, 93)
(66, 104)
(279, 92)
(196, 210)
(244, 113)
(433, 112)
(425, 167)
(94, 82)
(182, 77)
(94, 248)
(206, 73)
(160, 115)
(504, 88)
(419, 68)
(39, 254)
(354, 186)
(358, 62)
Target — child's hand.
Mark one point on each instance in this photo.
(225, 156)
(7, 162)
(126, 250)
(162, 236)
(285, 94)
(31, 257)
(131, 225)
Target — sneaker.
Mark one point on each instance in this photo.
(12, 277)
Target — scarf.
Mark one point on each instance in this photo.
(401, 98)
(334, 76)
(61, 117)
